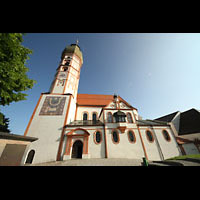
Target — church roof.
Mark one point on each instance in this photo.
(167, 118)
(97, 100)
(149, 122)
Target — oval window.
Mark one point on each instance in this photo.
(149, 136)
(115, 137)
(131, 136)
(166, 135)
(97, 137)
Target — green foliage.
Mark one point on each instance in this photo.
(13, 77)
(4, 123)
(185, 157)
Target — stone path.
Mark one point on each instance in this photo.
(118, 162)
(93, 162)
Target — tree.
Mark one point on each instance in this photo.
(4, 124)
(13, 77)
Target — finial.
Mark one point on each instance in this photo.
(77, 41)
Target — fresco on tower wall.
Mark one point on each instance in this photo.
(53, 106)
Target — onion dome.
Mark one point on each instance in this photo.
(74, 49)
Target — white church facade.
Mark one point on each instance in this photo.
(69, 125)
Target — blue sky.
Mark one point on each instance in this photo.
(155, 72)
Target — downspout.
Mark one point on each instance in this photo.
(105, 137)
(144, 150)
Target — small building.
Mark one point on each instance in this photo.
(186, 128)
(12, 148)
(69, 125)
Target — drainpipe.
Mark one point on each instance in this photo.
(105, 137)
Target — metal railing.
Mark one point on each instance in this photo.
(86, 123)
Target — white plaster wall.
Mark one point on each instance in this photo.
(96, 150)
(48, 130)
(90, 110)
(151, 147)
(124, 149)
(190, 148)
(169, 148)
(72, 111)
(136, 114)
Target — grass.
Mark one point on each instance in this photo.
(185, 156)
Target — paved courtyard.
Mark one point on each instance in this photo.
(93, 162)
(118, 162)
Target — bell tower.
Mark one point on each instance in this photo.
(55, 109)
(68, 72)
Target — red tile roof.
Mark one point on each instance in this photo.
(97, 100)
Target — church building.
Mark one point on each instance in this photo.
(69, 125)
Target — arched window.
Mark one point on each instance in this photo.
(131, 136)
(115, 137)
(129, 118)
(110, 117)
(30, 156)
(97, 137)
(119, 116)
(94, 116)
(166, 135)
(85, 116)
(149, 136)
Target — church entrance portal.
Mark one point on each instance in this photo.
(77, 149)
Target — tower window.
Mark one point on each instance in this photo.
(67, 63)
(65, 69)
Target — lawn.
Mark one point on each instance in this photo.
(185, 156)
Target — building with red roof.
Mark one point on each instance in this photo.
(69, 125)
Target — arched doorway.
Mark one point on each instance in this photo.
(30, 156)
(77, 149)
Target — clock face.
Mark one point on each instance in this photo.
(53, 106)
